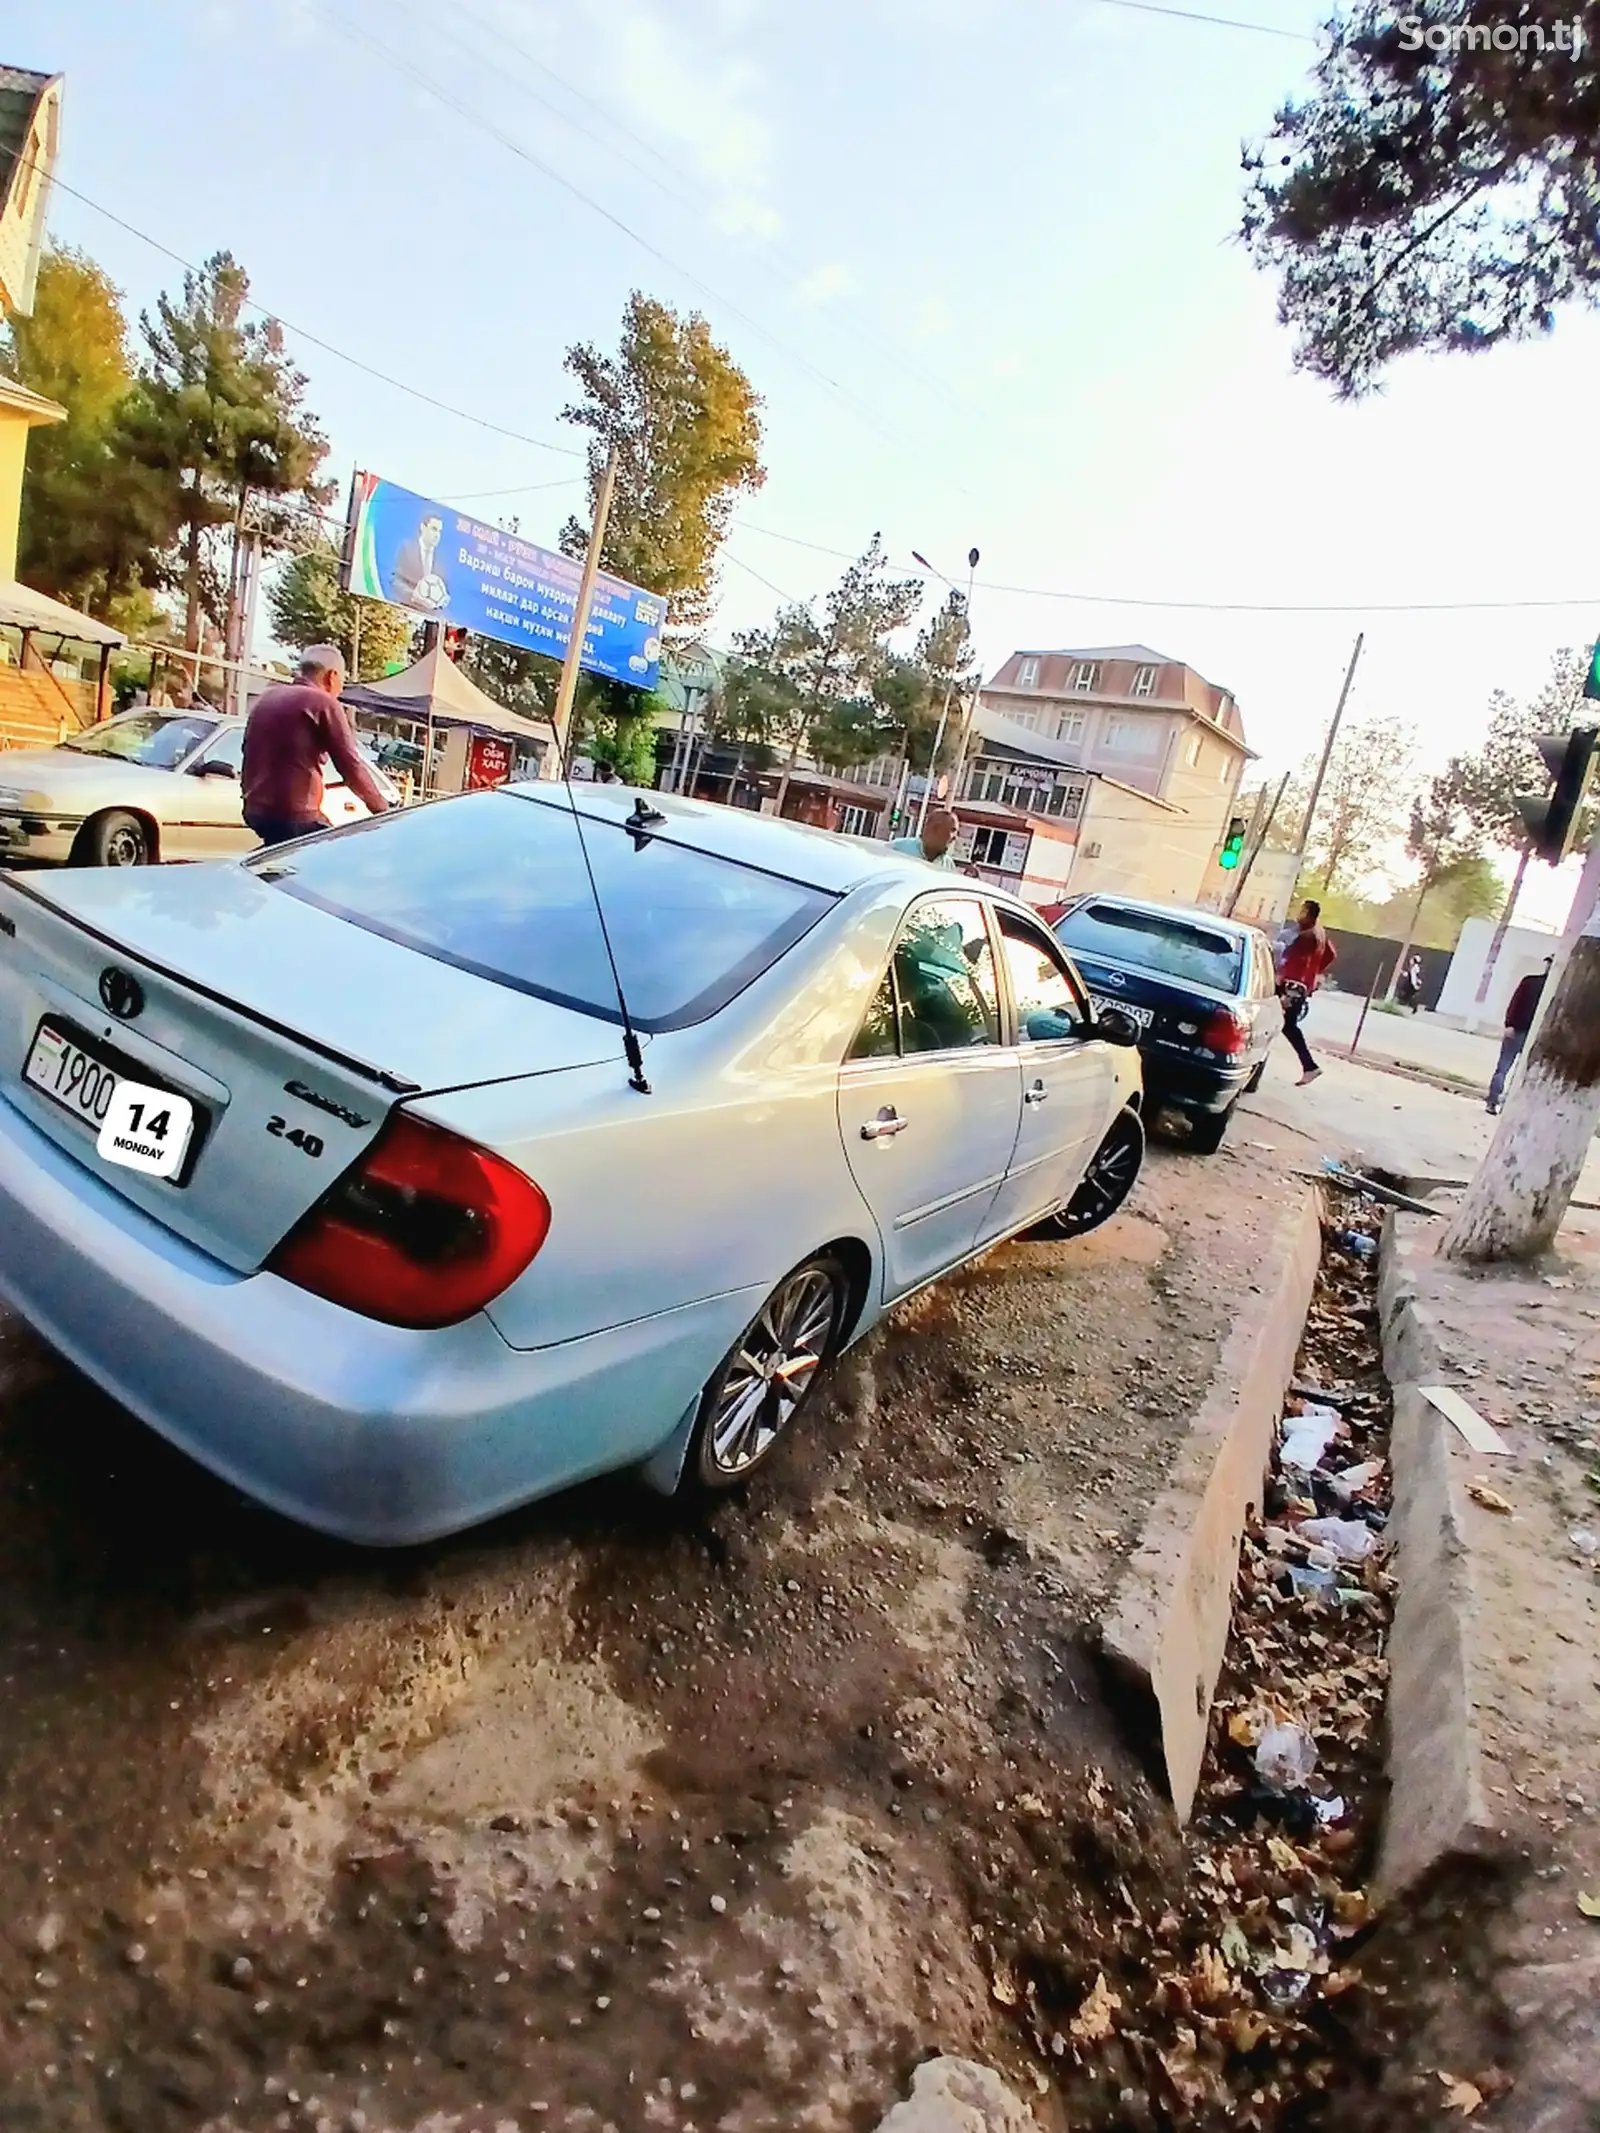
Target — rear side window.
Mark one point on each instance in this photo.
(495, 883)
(1170, 946)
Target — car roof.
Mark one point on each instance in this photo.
(820, 858)
(1239, 928)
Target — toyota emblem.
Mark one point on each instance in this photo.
(122, 995)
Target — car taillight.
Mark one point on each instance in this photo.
(1224, 1032)
(423, 1231)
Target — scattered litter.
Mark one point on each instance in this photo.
(1481, 1435)
(1313, 1579)
(1557, 1281)
(1347, 1486)
(1356, 1242)
(1491, 1499)
(1285, 1757)
(1584, 1540)
(1347, 1540)
(1324, 1395)
(1588, 1905)
(1308, 1435)
(1462, 2096)
(1092, 2023)
(1331, 1810)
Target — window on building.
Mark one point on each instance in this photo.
(989, 846)
(1028, 674)
(1026, 789)
(1132, 736)
(1086, 676)
(1030, 719)
(855, 821)
(1069, 726)
(882, 770)
(1144, 682)
(1191, 754)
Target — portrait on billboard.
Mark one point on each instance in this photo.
(415, 579)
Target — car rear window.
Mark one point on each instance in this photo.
(496, 884)
(1151, 940)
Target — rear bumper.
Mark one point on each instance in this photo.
(371, 1433)
(1192, 1085)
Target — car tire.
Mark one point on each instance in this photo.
(1112, 1174)
(1206, 1129)
(116, 839)
(767, 1376)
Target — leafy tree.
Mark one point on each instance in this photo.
(524, 682)
(837, 660)
(309, 606)
(220, 419)
(686, 424)
(93, 524)
(1430, 198)
(1509, 762)
(627, 741)
(1445, 844)
(1362, 806)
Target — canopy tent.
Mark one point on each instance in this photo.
(21, 608)
(435, 692)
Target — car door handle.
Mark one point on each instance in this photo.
(1035, 1093)
(887, 1122)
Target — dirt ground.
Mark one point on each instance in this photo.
(596, 1819)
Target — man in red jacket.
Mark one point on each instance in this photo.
(292, 730)
(1302, 966)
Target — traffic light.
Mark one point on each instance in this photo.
(1552, 823)
(1233, 844)
(455, 641)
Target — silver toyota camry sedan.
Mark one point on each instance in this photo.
(418, 1169)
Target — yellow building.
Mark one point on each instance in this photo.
(30, 140)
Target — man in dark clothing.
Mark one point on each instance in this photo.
(1302, 965)
(1520, 1011)
(292, 730)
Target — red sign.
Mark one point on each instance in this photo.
(488, 761)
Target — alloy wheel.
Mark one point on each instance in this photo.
(1107, 1182)
(770, 1371)
(124, 847)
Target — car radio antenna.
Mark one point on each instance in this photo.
(562, 721)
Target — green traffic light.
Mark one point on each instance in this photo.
(1229, 855)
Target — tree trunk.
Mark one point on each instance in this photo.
(1497, 940)
(1514, 1205)
(191, 587)
(788, 770)
(1411, 934)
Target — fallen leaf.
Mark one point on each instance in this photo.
(1492, 1500)
(1092, 2023)
(1005, 1991)
(1588, 1905)
(1462, 2096)
(1248, 2030)
(1210, 1980)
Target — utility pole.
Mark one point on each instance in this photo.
(1327, 749)
(949, 691)
(561, 717)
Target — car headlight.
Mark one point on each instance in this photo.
(10, 798)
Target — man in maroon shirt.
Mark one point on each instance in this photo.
(1302, 965)
(292, 730)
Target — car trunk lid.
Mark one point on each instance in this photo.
(293, 1032)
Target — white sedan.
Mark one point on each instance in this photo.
(411, 1171)
(139, 788)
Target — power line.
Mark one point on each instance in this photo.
(1216, 607)
(1220, 22)
(304, 333)
(508, 141)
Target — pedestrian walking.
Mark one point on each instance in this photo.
(1408, 990)
(939, 827)
(1520, 1011)
(1303, 962)
(293, 729)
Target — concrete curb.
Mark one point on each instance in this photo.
(1167, 1627)
(1437, 1805)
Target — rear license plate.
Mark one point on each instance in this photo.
(118, 1109)
(1141, 1015)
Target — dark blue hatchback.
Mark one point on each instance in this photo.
(1201, 988)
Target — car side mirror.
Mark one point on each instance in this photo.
(214, 770)
(1115, 1025)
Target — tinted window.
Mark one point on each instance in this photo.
(1170, 946)
(228, 748)
(877, 1038)
(157, 739)
(1047, 1005)
(944, 973)
(496, 883)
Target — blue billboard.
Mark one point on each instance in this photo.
(439, 563)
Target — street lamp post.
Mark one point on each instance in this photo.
(950, 679)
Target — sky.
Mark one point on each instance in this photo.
(980, 265)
